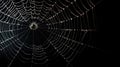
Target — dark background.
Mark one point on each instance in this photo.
(102, 40)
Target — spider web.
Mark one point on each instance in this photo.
(62, 27)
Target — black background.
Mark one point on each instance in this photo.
(102, 38)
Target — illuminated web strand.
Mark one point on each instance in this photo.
(9, 40)
(10, 8)
(16, 53)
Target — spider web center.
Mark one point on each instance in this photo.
(33, 26)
